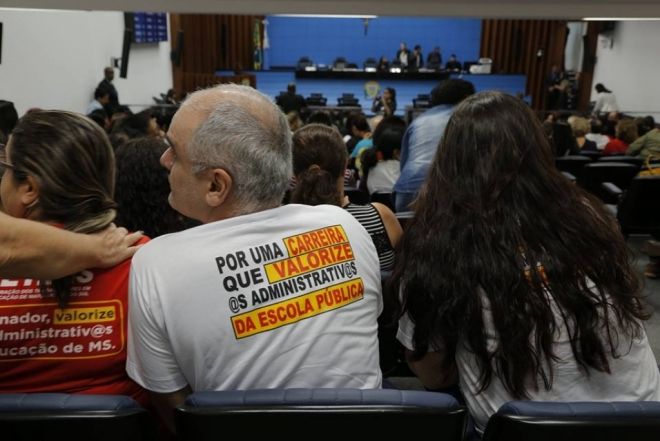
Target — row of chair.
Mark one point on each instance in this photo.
(345, 100)
(590, 175)
(574, 164)
(305, 413)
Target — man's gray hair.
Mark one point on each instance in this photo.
(248, 136)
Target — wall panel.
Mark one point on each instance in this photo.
(211, 43)
(527, 47)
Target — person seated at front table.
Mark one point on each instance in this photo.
(453, 64)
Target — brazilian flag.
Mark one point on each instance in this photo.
(256, 42)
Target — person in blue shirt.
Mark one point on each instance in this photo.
(422, 137)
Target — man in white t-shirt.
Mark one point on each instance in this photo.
(260, 295)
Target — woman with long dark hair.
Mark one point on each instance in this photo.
(512, 278)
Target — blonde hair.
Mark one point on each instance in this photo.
(579, 125)
(626, 130)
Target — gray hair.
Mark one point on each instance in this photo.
(248, 136)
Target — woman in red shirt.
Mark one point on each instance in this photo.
(65, 335)
(626, 133)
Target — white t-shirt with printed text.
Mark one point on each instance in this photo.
(634, 375)
(287, 297)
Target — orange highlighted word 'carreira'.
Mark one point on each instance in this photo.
(314, 240)
(300, 308)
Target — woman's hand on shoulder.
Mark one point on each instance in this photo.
(116, 244)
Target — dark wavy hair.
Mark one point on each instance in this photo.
(319, 160)
(143, 188)
(72, 162)
(493, 201)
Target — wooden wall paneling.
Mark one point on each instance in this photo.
(514, 47)
(508, 41)
(212, 42)
(175, 26)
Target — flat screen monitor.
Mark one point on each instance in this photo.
(147, 27)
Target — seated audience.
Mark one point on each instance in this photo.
(100, 101)
(237, 303)
(645, 124)
(294, 120)
(646, 145)
(134, 126)
(625, 133)
(320, 117)
(142, 189)
(560, 136)
(361, 130)
(319, 163)
(290, 101)
(580, 127)
(59, 170)
(8, 119)
(381, 163)
(100, 117)
(515, 282)
(422, 137)
(596, 134)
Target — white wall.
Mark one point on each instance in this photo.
(55, 59)
(574, 50)
(631, 66)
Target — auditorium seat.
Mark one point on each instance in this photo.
(636, 160)
(594, 155)
(594, 174)
(575, 421)
(316, 99)
(304, 62)
(572, 164)
(302, 414)
(339, 63)
(52, 416)
(356, 196)
(404, 217)
(370, 65)
(637, 209)
(348, 99)
(385, 198)
(423, 101)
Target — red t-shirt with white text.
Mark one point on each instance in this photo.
(78, 349)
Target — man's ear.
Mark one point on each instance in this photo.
(220, 185)
(29, 191)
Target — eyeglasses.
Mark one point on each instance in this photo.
(4, 165)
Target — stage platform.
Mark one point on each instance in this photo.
(407, 86)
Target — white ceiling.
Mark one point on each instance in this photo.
(563, 9)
